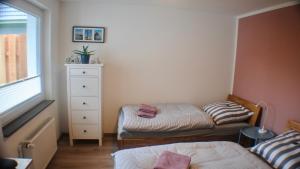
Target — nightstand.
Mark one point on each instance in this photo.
(252, 133)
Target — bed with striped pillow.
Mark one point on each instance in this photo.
(227, 112)
(281, 152)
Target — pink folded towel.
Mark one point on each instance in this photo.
(147, 108)
(147, 111)
(170, 160)
(146, 114)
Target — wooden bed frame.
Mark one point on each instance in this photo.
(293, 125)
(147, 141)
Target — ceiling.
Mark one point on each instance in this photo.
(229, 7)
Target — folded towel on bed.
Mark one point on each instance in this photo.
(147, 108)
(146, 114)
(147, 111)
(170, 160)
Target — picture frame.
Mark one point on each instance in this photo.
(88, 34)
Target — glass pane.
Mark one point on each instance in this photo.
(13, 95)
(18, 59)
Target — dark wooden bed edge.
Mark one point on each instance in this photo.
(140, 142)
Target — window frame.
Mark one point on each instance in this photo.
(19, 109)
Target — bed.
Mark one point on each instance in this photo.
(226, 132)
(204, 155)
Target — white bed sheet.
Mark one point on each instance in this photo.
(205, 155)
(170, 117)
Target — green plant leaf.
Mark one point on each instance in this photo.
(84, 51)
(85, 48)
(76, 50)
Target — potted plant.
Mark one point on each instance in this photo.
(84, 54)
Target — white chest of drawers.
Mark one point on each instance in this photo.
(84, 85)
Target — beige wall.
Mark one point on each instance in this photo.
(10, 144)
(152, 54)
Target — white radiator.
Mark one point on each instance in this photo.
(41, 145)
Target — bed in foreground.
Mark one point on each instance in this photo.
(205, 155)
(281, 152)
(191, 130)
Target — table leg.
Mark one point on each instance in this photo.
(239, 138)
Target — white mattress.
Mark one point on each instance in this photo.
(205, 155)
(170, 117)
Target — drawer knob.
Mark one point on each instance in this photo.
(84, 103)
(83, 86)
(83, 72)
(84, 131)
(84, 117)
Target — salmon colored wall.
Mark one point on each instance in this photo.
(268, 63)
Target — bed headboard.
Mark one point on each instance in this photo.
(249, 105)
(293, 125)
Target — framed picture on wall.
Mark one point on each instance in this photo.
(88, 34)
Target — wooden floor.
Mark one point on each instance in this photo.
(84, 155)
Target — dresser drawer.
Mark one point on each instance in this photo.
(85, 117)
(84, 86)
(84, 103)
(84, 72)
(85, 131)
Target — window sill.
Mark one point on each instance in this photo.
(16, 124)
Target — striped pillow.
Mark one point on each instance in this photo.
(227, 112)
(281, 152)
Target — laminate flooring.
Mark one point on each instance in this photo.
(84, 154)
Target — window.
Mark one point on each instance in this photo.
(20, 74)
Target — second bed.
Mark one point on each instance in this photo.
(206, 131)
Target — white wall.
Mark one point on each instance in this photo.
(50, 48)
(51, 43)
(152, 54)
